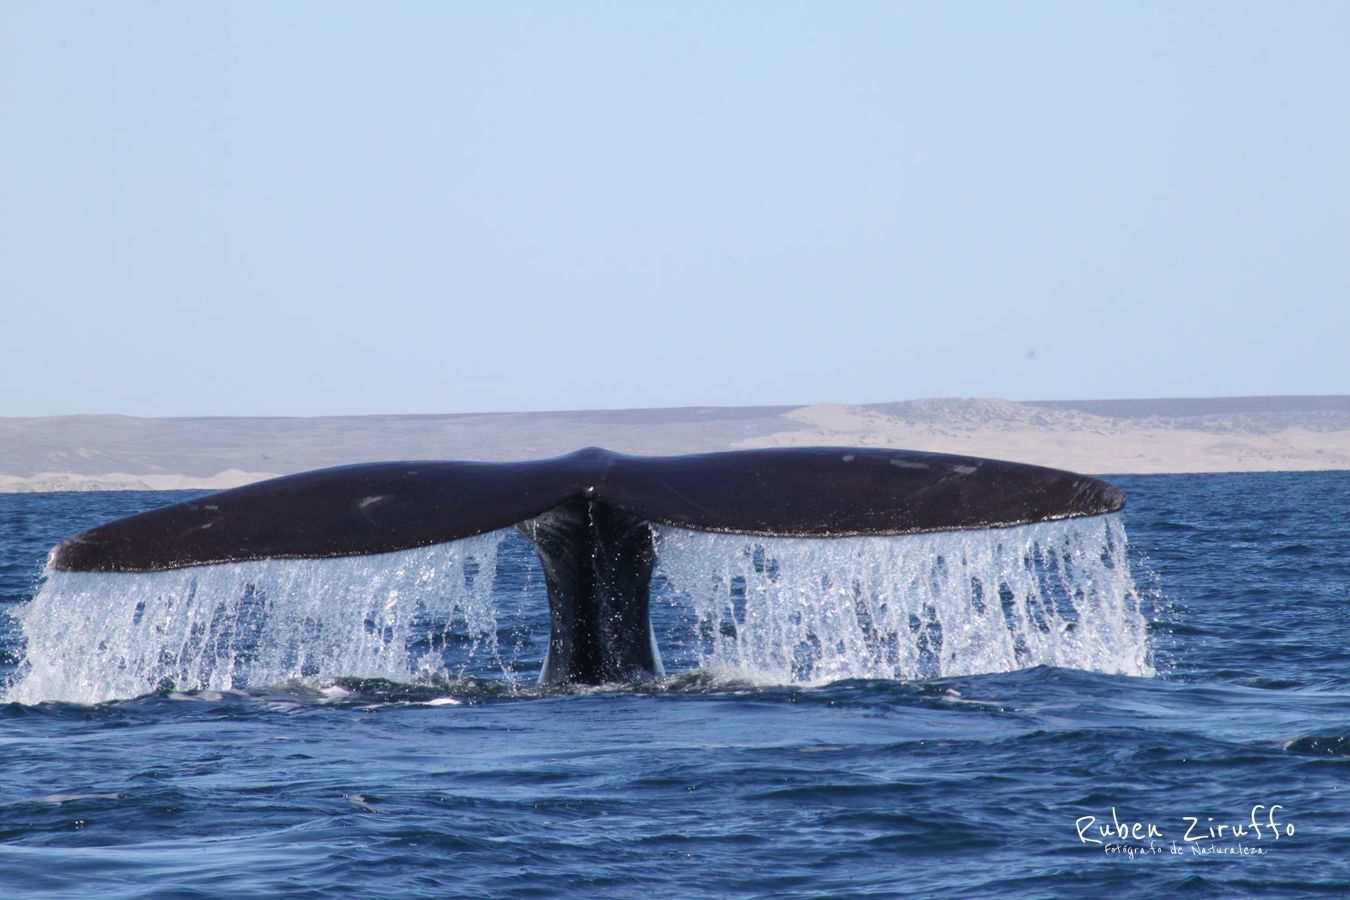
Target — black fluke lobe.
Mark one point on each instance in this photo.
(588, 514)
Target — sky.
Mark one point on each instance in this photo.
(323, 208)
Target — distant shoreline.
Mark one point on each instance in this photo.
(181, 483)
(1121, 437)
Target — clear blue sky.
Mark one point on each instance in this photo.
(311, 208)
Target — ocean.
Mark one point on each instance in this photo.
(1147, 704)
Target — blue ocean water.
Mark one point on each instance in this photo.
(709, 782)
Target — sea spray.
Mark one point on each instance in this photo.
(914, 606)
(93, 637)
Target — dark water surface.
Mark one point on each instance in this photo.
(700, 786)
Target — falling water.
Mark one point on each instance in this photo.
(769, 609)
(914, 606)
(93, 637)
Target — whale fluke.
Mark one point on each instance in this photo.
(588, 514)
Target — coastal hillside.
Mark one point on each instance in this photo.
(1230, 434)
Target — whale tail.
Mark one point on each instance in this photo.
(590, 516)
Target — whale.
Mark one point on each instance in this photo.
(591, 516)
